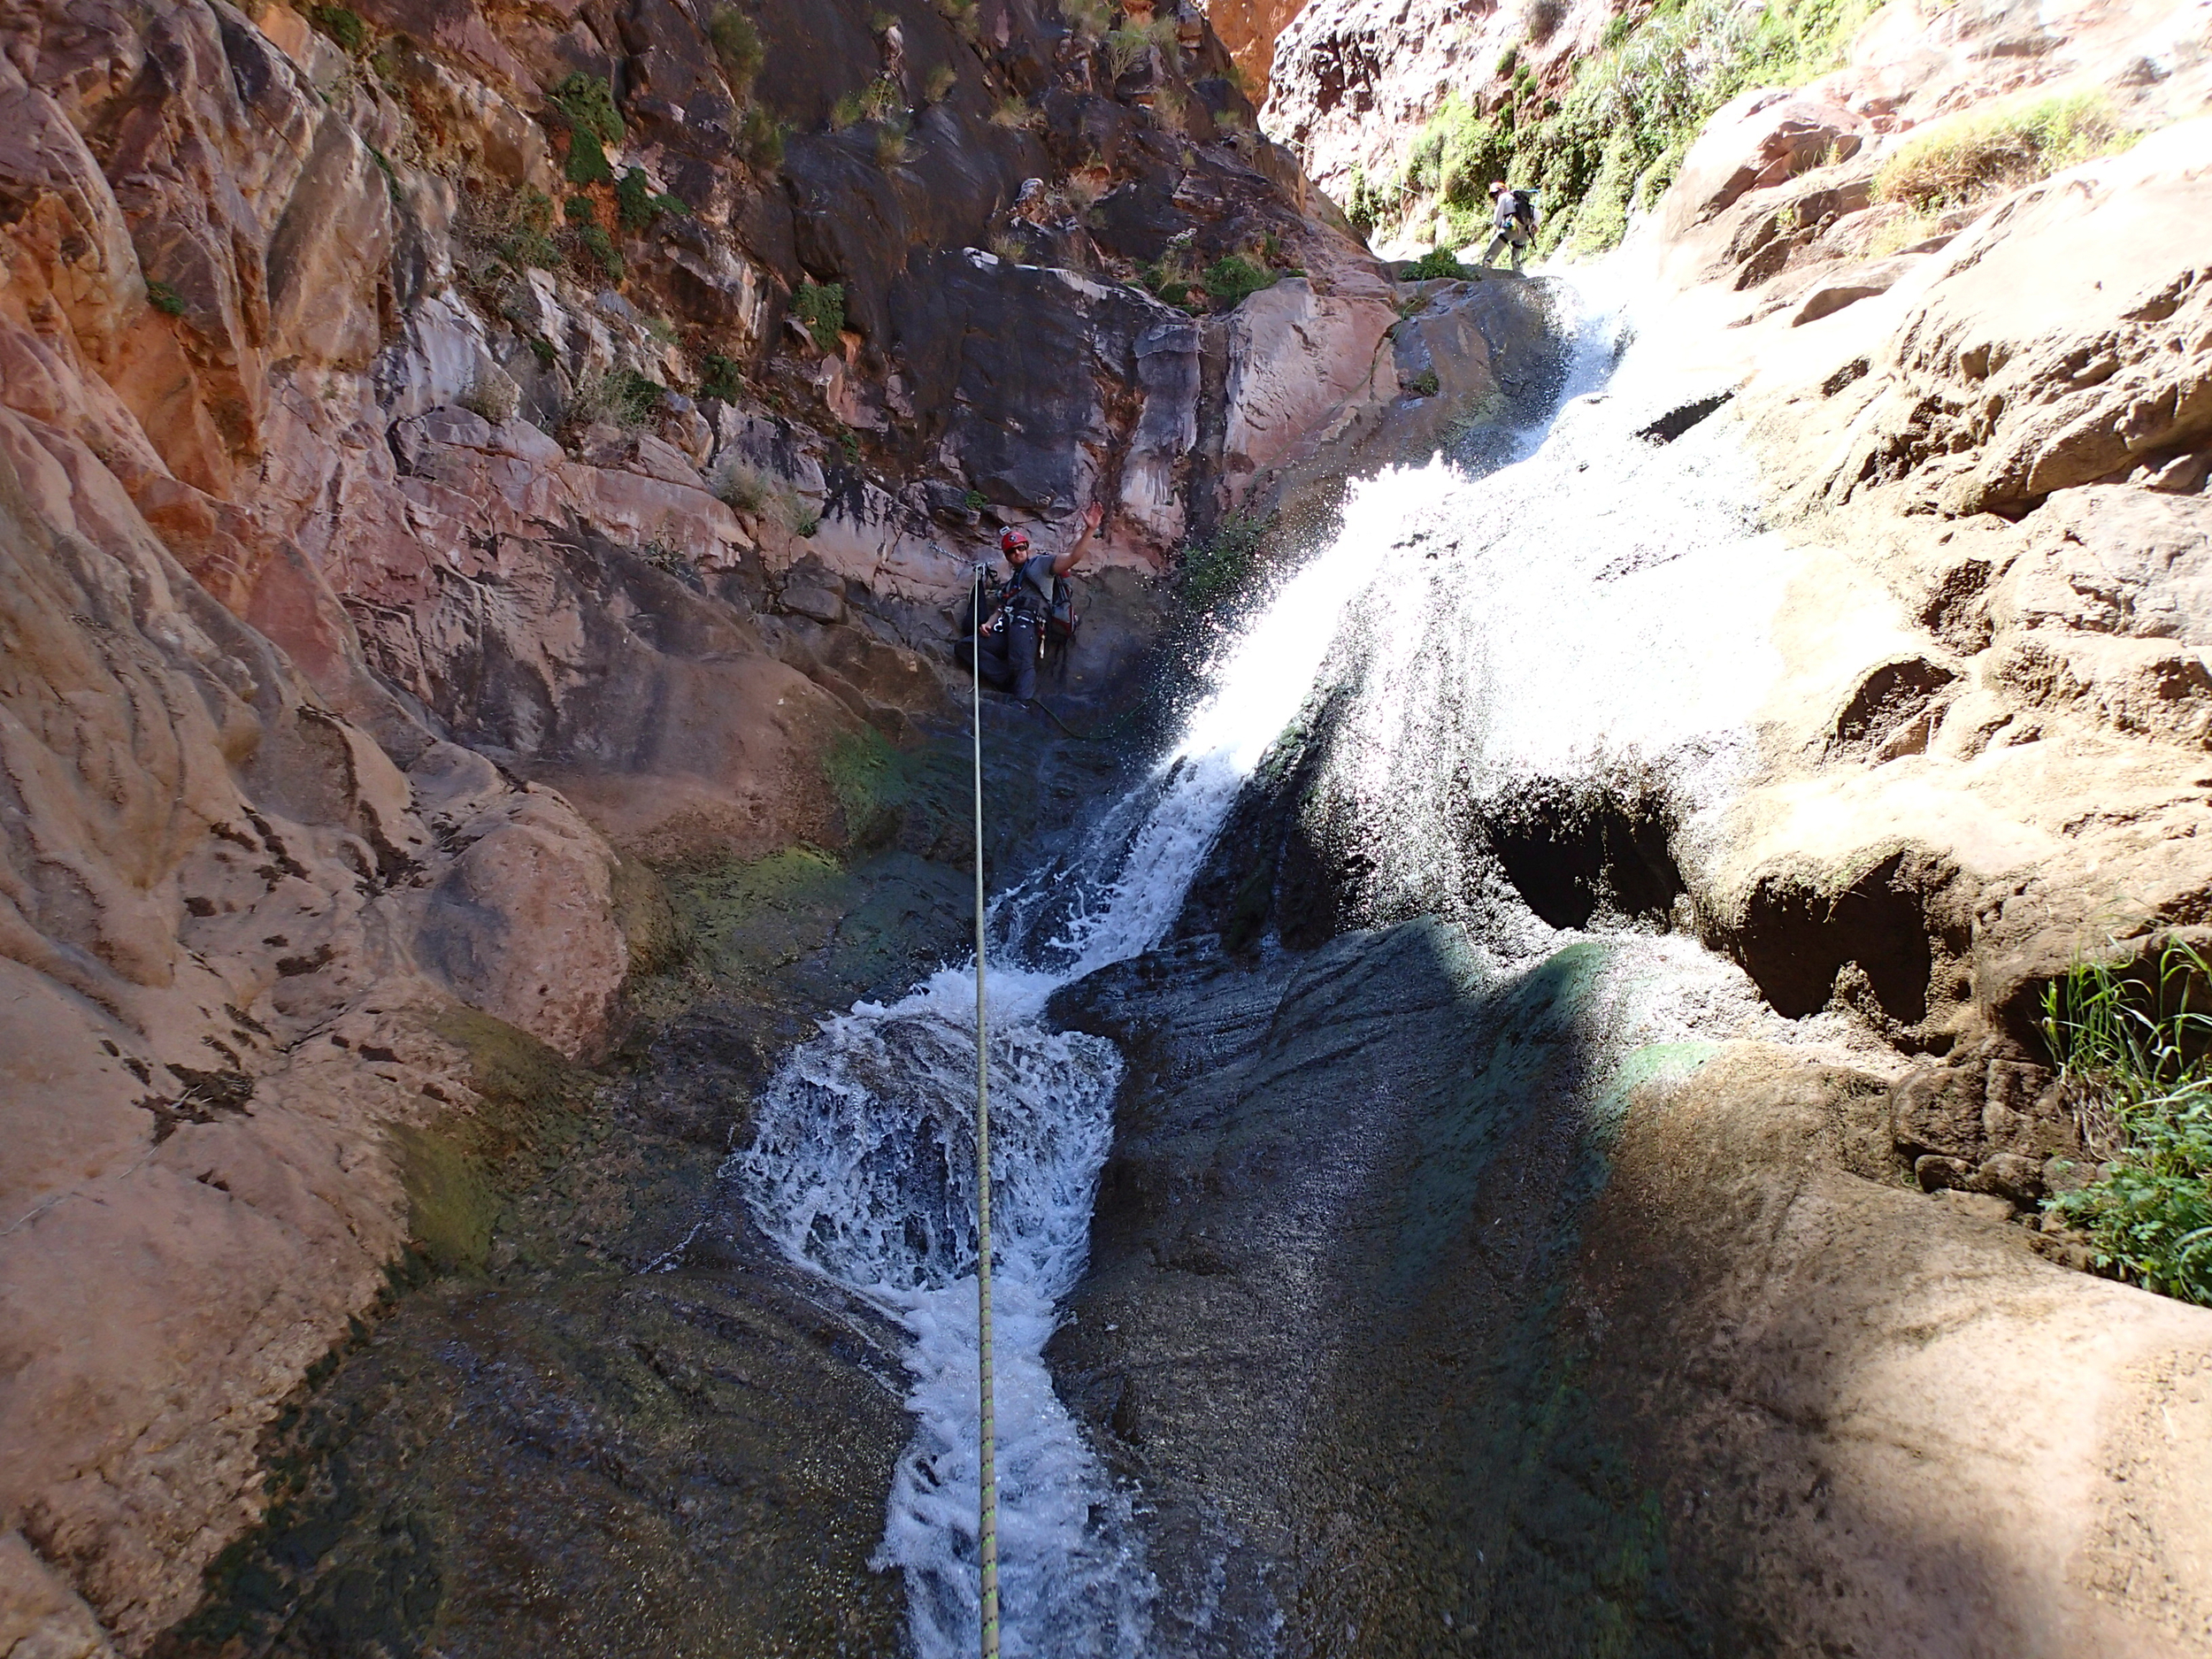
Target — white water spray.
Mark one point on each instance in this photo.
(1493, 615)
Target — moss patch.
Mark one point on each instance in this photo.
(462, 1169)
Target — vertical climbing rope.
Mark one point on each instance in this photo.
(987, 1535)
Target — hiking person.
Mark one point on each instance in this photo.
(1513, 215)
(1016, 617)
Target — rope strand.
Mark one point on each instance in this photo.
(986, 1536)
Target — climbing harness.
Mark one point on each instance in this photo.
(987, 1532)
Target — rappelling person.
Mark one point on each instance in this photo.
(1513, 215)
(1034, 605)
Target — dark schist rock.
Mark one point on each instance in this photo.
(1320, 1327)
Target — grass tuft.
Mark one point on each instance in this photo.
(2131, 1045)
(1987, 154)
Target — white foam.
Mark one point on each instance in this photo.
(1490, 631)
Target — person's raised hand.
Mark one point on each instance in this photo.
(1092, 514)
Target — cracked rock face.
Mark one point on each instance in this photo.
(398, 515)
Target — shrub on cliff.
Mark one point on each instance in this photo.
(1232, 279)
(1438, 262)
(2002, 150)
(760, 139)
(820, 309)
(620, 397)
(343, 26)
(2133, 1049)
(737, 43)
(640, 204)
(587, 103)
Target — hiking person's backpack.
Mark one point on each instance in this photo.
(1061, 621)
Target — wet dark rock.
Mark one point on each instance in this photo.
(1342, 1191)
(1678, 420)
(1572, 853)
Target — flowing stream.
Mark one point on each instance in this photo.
(1594, 603)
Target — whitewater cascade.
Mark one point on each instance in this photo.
(1597, 600)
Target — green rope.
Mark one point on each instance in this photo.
(986, 1536)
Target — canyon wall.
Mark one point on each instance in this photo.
(453, 462)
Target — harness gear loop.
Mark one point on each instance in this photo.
(987, 1532)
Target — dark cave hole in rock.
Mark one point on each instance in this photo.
(1794, 939)
(1679, 419)
(1887, 698)
(1572, 854)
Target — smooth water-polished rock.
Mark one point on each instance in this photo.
(1432, 1315)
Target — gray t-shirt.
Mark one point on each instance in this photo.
(1036, 573)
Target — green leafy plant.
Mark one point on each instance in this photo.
(760, 139)
(2000, 149)
(1438, 262)
(721, 377)
(342, 25)
(938, 83)
(975, 501)
(1424, 384)
(1211, 573)
(587, 103)
(1232, 279)
(165, 299)
(849, 441)
(2131, 1045)
(820, 309)
(587, 162)
(845, 111)
(590, 240)
(640, 204)
(1014, 111)
(1456, 153)
(580, 210)
(736, 42)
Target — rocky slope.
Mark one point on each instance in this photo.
(1424, 1339)
(455, 462)
(1598, 105)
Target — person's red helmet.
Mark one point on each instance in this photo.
(1013, 540)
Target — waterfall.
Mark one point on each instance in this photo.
(862, 1163)
(1529, 622)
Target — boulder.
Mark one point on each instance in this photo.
(2060, 340)
(1757, 139)
(1300, 361)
